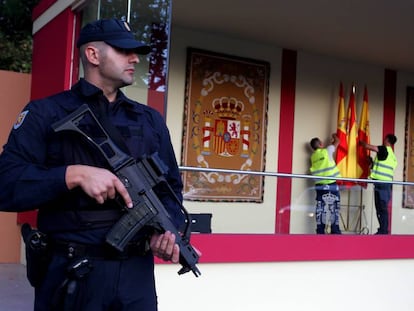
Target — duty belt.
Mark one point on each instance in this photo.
(103, 252)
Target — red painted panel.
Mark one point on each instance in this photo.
(286, 130)
(52, 48)
(388, 123)
(226, 248)
(390, 97)
(156, 101)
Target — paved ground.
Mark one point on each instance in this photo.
(16, 294)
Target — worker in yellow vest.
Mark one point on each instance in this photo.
(383, 169)
(327, 190)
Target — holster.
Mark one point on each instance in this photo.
(66, 297)
(38, 254)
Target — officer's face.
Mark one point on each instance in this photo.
(117, 67)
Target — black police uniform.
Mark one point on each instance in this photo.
(32, 176)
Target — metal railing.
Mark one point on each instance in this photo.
(290, 175)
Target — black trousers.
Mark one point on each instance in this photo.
(111, 285)
(382, 196)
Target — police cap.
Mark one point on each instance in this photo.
(116, 33)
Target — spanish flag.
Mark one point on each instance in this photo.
(352, 167)
(364, 158)
(342, 149)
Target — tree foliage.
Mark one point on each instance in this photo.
(16, 34)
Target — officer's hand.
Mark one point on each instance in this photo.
(164, 247)
(98, 183)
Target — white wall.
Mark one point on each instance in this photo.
(291, 286)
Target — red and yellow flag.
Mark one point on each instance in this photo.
(342, 148)
(352, 167)
(364, 135)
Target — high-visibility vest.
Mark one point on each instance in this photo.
(321, 165)
(384, 170)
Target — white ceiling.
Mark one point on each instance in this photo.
(378, 32)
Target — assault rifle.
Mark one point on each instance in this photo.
(139, 178)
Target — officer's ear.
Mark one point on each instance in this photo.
(91, 53)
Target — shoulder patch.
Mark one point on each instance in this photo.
(20, 119)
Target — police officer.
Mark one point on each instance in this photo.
(383, 168)
(69, 182)
(327, 191)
